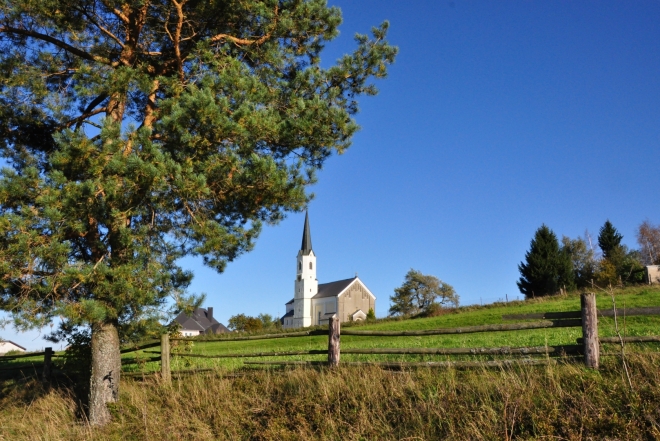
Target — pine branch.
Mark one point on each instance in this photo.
(59, 43)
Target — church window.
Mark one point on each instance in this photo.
(310, 265)
(299, 266)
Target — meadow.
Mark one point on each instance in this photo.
(562, 400)
(467, 316)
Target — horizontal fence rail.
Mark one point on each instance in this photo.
(254, 354)
(257, 337)
(627, 312)
(151, 344)
(471, 329)
(566, 349)
(587, 347)
(45, 365)
(505, 350)
(394, 364)
(617, 340)
(139, 360)
(13, 357)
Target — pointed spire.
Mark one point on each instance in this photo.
(306, 246)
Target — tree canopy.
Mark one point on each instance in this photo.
(420, 292)
(609, 240)
(547, 267)
(141, 131)
(648, 238)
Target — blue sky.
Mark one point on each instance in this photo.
(496, 117)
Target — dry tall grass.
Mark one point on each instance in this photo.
(563, 401)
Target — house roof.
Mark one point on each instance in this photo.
(219, 328)
(201, 320)
(15, 344)
(306, 246)
(333, 289)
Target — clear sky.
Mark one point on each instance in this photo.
(496, 117)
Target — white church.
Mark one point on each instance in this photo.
(314, 303)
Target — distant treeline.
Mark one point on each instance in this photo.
(551, 266)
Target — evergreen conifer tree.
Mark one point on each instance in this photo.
(547, 267)
(609, 240)
(141, 131)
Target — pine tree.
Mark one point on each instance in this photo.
(142, 131)
(547, 268)
(609, 240)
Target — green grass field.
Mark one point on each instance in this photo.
(558, 401)
(466, 316)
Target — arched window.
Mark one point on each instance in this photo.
(310, 265)
(299, 266)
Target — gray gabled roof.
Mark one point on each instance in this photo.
(188, 323)
(200, 320)
(289, 302)
(306, 245)
(288, 314)
(218, 328)
(333, 289)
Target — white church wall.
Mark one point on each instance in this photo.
(323, 306)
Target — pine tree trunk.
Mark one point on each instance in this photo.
(106, 366)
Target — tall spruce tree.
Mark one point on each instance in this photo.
(141, 131)
(547, 267)
(609, 240)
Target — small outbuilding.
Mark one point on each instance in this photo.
(8, 346)
(652, 274)
(200, 322)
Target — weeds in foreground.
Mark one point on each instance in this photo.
(563, 401)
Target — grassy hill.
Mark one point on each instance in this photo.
(559, 401)
(466, 316)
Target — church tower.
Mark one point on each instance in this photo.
(306, 284)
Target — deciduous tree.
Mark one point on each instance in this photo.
(419, 292)
(583, 258)
(141, 131)
(648, 238)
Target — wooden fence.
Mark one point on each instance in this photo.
(588, 345)
(46, 366)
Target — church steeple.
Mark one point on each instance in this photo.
(306, 285)
(306, 246)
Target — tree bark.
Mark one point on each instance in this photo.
(106, 368)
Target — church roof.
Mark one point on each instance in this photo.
(306, 245)
(288, 314)
(333, 289)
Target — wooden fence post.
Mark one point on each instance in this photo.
(48, 356)
(165, 373)
(590, 330)
(333, 341)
